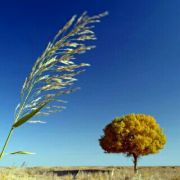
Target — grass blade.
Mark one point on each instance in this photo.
(21, 152)
(27, 116)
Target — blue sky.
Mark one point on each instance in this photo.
(135, 69)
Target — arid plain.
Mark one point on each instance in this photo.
(91, 173)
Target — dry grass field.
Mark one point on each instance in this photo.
(89, 173)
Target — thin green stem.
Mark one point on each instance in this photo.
(22, 106)
(12, 128)
(6, 142)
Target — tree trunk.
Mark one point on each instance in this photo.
(135, 162)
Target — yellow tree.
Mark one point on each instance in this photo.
(134, 135)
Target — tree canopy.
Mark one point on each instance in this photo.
(134, 135)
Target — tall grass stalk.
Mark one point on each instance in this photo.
(53, 73)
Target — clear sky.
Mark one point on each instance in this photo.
(135, 69)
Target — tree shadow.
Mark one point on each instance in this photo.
(74, 172)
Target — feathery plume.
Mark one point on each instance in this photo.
(53, 73)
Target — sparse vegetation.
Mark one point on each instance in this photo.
(90, 173)
(134, 135)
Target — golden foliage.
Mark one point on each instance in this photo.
(133, 134)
